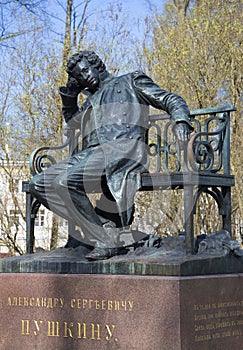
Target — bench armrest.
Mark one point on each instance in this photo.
(40, 159)
(208, 150)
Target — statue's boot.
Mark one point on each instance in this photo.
(122, 238)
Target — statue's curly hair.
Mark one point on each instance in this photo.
(91, 57)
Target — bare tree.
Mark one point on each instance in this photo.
(10, 10)
(31, 75)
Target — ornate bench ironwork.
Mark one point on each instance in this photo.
(200, 165)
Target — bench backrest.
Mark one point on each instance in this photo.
(208, 149)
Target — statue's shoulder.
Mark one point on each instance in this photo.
(139, 77)
(137, 74)
(134, 78)
(132, 75)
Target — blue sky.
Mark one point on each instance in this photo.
(134, 8)
(135, 11)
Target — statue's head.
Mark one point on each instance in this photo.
(92, 58)
(85, 68)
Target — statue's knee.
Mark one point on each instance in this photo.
(62, 184)
(59, 183)
(34, 183)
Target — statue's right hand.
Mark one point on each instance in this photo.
(73, 86)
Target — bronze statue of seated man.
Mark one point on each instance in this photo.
(113, 121)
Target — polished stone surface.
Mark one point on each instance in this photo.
(100, 312)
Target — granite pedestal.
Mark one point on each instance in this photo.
(141, 308)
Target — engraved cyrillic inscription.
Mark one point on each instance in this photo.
(218, 320)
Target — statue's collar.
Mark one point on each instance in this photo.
(105, 77)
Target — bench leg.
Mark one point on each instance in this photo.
(30, 222)
(188, 217)
(226, 192)
(32, 207)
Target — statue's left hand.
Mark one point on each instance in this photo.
(182, 131)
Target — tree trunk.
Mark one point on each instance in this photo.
(67, 38)
(54, 233)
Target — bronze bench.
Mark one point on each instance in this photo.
(201, 165)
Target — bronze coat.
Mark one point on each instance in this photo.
(115, 118)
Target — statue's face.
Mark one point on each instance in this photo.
(86, 75)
